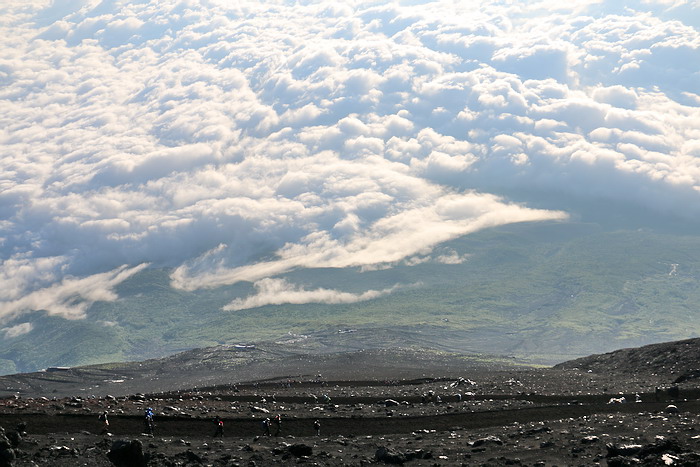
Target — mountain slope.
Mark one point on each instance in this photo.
(547, 292)
(680, 359)
(337, 356)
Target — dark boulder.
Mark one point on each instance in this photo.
(622, 450)
(662, 446)
(299, 450)
(127, 454)
(7, 454)
(389, 456)
(6, 457)
(418, 454)
(14, 437)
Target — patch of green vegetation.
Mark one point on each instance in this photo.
(7, 367)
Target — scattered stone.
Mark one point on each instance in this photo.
(541, 429)
(623, 449)
(620, 461)
(669, 459)
(389, 456)
(487, 440)
(462, 381)
(689, 458)
(617, 400)
(57, 451)
(661, 446)
(418, 454)
(190, 457)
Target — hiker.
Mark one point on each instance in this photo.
(266, 427)
(317, 427)
(278, 424)
(148, 421)
(105, 422)
(219, 427)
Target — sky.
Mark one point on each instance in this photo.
(239, 141)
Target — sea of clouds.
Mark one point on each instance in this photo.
(238, 141)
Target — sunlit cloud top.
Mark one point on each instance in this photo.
(237, 141)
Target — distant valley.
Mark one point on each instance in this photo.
(543, 292)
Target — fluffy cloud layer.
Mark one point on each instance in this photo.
(241, 140)
(279, 291)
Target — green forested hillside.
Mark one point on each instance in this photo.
(547, 292)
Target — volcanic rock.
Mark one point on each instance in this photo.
(7, 454)
(487, 440)
(389, 456)
(190, 457)
(127, 453)
(300, 449)
(623, 450)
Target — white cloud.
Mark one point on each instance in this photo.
(17, 330)
(451, 257)
(618, 96)
(238, 141)
(389, 239)
(71, 297)
(280, 292)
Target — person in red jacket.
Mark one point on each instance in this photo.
(219, 427)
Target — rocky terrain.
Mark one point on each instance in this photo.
(423, 408)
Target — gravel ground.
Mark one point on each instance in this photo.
(530, 417)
